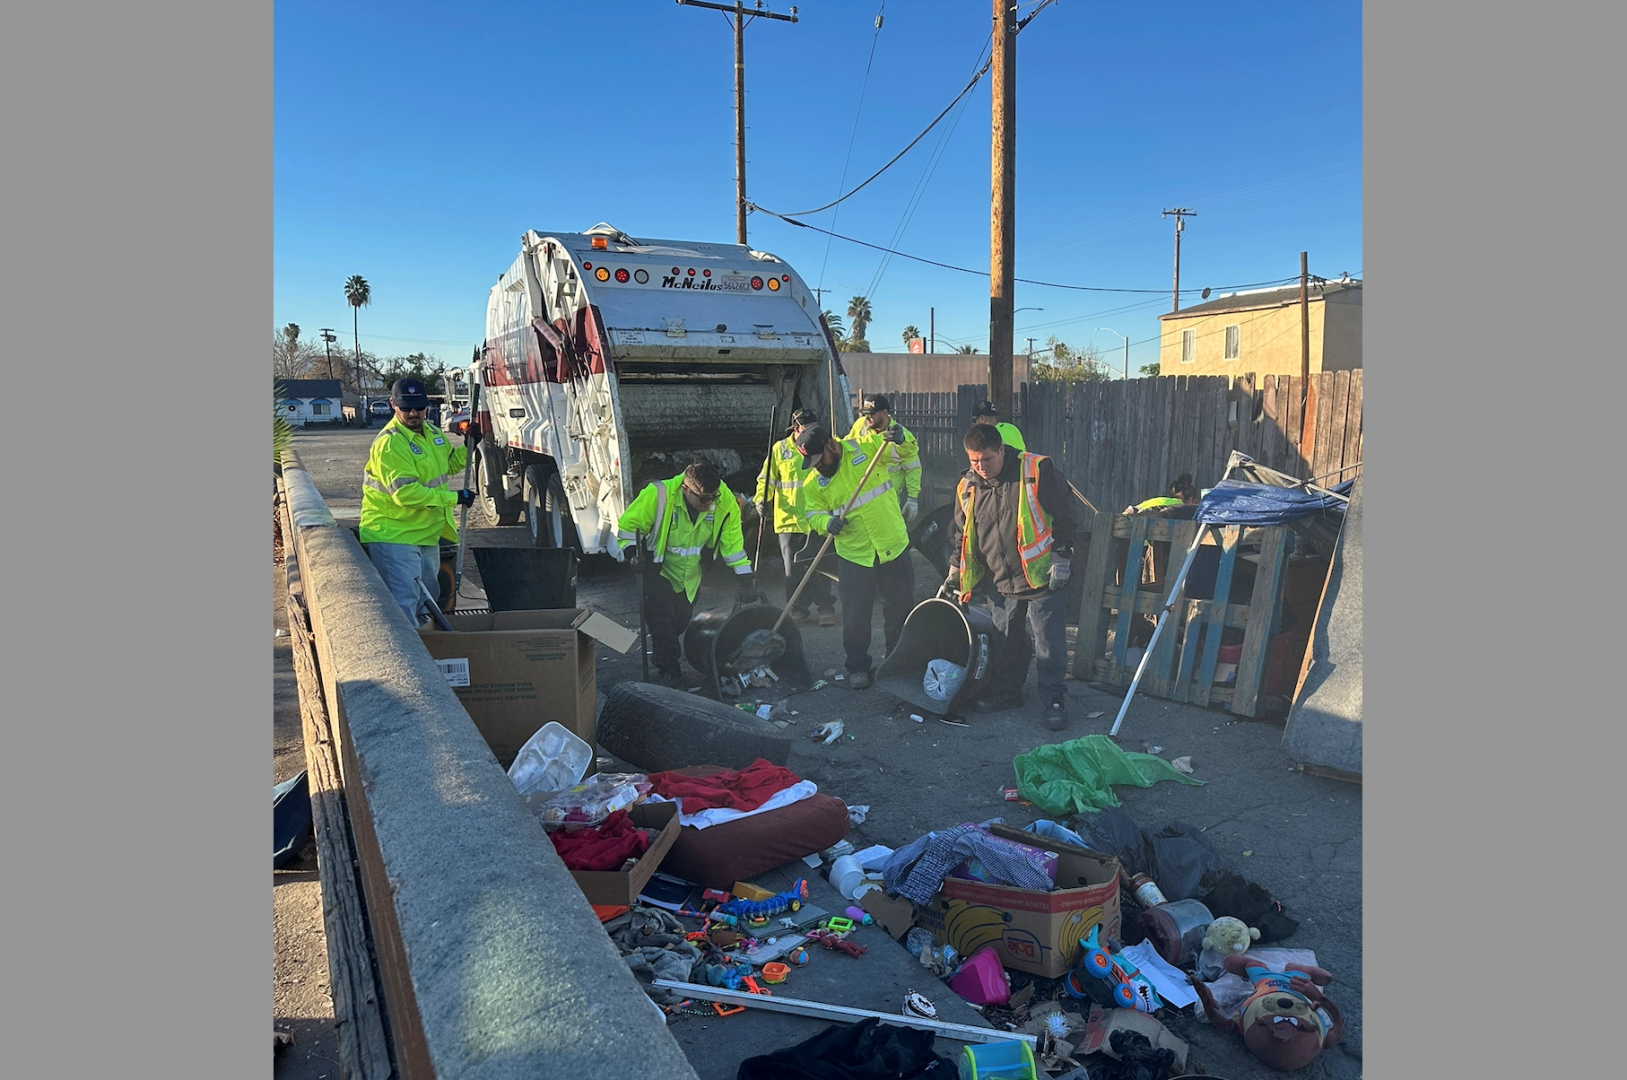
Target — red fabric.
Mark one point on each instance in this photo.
(746, 789)
(604, 847)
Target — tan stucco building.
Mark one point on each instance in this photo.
(1258, 331)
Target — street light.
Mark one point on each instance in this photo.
(1115, 333)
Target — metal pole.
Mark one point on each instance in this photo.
(1126, 359)
(739, 122)
(1163, 617)
(932, 330)
(1304, 320)
(1002, 205)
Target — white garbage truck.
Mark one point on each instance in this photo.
(610, 361)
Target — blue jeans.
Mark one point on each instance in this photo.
(402, 566)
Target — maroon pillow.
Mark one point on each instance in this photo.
(739, 850)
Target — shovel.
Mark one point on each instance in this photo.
(766, 646)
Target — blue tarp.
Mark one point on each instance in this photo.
(1239, 502)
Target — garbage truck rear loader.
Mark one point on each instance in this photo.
(608, 360)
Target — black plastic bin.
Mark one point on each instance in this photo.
(712, 636)
(527, 579)
(940, 630)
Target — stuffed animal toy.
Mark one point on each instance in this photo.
(1286, 1021)
(1224, 937)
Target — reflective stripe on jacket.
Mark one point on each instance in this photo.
(903, 459)
(675, 540)
(875, 530)
(781, 481)
(407, 497)
(1034, 533)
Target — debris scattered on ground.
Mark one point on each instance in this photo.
(918, 718)
(1184, 764)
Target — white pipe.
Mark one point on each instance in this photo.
(1163, 617)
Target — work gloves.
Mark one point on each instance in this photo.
(894, 433)
(836, 524)
(763, 509)
(911, 508)
(950, 589)
(1060, 570)
(629, 554)
(466, 497)
(748, 593)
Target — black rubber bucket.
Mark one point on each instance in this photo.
(713, 636)
(931, 537)
(527, 579)
(940, 630)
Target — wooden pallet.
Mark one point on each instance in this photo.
(1180, 668)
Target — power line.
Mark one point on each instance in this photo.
(857, 113)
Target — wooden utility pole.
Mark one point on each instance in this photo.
(1304, 318)
(1180, 227)
(1002, 204)
(741, 16)
(931, 329)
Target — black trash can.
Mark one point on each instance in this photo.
(713, 636)
(527, 579)
(931, 537)
(940, 630)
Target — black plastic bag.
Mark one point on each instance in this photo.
(1140, 1060)
(1245, 900)
(1185, 863)
(862, 1051)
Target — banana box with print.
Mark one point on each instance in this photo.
(1031, 930)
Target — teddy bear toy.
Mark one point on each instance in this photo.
(1224, 937)
(1286, 1020)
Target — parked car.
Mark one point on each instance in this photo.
(381, 407)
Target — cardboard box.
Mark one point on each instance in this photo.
(516, 670)
(623, 886)
(1032, 931)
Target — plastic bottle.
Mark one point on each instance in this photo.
(860, 916)
(1146, 891)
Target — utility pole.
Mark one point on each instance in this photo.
(931, 329)
(1030, 348)
(328, 338)
(1304, 319)
(1002, 203)
(1180, 226)
(741, 14)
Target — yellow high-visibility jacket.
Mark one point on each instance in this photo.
(675, 541)
(903, 461)
(780, 482)
(407, 495)
(875, 530)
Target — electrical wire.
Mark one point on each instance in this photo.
(857, 113)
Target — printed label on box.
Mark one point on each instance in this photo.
(456, 671)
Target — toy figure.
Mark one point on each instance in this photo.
(1224, 937)
(1109, 979)
(1286, 1020)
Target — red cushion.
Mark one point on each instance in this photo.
(739, 850)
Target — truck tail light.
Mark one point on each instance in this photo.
(757, 283)
(773, 284)
(622, 275)
(602, 274)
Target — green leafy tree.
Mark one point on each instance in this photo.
(292, 358)
(1064, 363)
(858, 309)
(358, 294)
(1151, 369)
(838, 329)
(427, 369)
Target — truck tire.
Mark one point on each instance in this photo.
(547, 511)
(656, 728)
(500, 510)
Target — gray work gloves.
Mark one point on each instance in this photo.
(894, 433)
(763, 509)
(1060, 570)
(630, 554)
(912, 507)
(748, 593)
(950, 589)
(835, 525)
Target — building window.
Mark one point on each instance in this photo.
(1189, 346)
(320, 408)
(1231, 341)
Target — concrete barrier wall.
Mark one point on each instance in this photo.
(493, 963)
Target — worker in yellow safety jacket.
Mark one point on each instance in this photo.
(407, 500)
(870, 538)
(679, 518)
(903, 460)
(984, 413)
(1014, 529)
(779, 493)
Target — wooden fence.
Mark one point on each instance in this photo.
(1123, 441)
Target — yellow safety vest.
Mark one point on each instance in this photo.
(675, 541)
(406, 497)
(875, 530)
(780, 482)
(903, 459)
(1033, 530)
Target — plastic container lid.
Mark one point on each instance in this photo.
(552, 759)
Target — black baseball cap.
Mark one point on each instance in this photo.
(804, 417)
(811, 441)
(984, 408)
(875, 403)
(408, 393)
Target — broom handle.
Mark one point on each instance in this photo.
(829, 539)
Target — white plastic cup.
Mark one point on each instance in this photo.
(846, 874)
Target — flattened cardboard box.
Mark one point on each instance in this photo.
(516, 670)
(621, 887)
(1032, 931)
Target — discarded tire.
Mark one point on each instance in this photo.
(657, 728)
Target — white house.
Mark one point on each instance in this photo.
(310, 401)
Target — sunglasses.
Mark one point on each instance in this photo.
(413, 408)
(702, 497)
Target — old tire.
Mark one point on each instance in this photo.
(499, 509)
(657, 728)
(547, 512)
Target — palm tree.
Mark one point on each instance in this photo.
(858, 309)
(357, 294)
(837, 329)
(910, 334)
(968, 350)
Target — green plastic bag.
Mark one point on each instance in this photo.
(1076, 777)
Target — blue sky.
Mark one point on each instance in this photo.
(415, 142)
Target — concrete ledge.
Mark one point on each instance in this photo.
(493, 963)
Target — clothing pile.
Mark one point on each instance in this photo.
(606, 846)
(704, 801)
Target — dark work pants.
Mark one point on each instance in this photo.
(818, 590)
(858, 585)
(667, 613)
(1032, 628)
